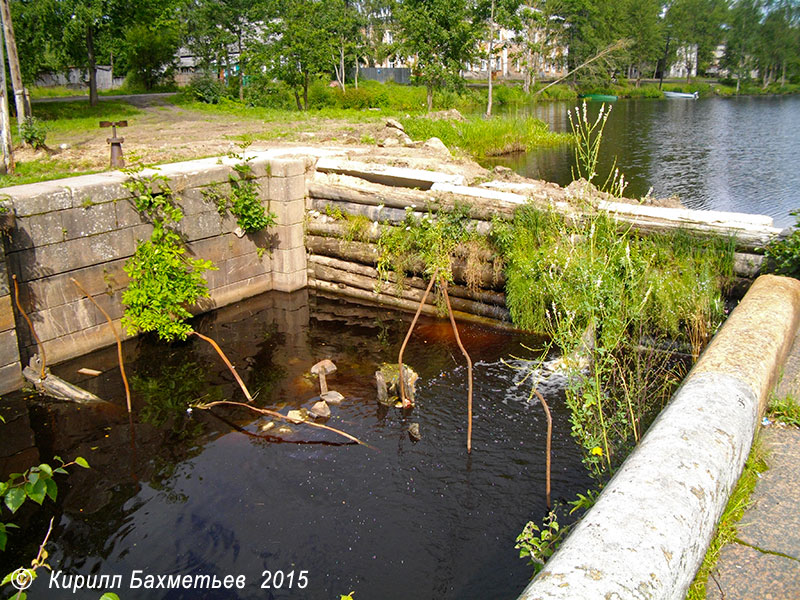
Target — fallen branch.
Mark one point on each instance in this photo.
(116, 337)
(618, 45)
(277, 415)
(227, 363)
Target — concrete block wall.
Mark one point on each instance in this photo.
(87, 227)
(10, 371)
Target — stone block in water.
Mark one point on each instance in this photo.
(387, 379)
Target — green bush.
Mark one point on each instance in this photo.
(33, 132)
(783, 256)
(207, 88)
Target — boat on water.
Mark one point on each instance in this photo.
(689, 96)
(598, 97)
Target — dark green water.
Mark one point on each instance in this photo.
(730, 154)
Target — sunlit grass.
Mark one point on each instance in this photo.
(75, 116)
(48, 169)
(487, 137)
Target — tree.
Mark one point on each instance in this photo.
(643, 28)
(440, 36)
(697, 26)
(218, 26)
(300, 44)
(742, 39)
(540, 31)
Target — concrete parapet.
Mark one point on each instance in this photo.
(648, 532)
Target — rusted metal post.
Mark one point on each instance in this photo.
(116, 143)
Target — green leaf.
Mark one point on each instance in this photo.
(52, 489)
(109, 596)
(6, 579)
(14, 498)
(3, 488)
(46, 469)
(60, 470)
(3, 538)
(37, 491)
(81, 462)
(33, 477)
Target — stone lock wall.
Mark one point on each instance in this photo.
(86, 228)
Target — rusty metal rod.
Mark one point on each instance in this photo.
(443, 285)
(116, 337)
(30, 325)
(227, 363)
(408, 336)
(549, 437)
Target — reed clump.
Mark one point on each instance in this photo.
(634, 310)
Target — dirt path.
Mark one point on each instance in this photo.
(163, 132)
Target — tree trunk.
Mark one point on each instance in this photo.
(430, 96)
(305, 92)
(241, 70)
(783, 74)
(93, 99)
(297, 99)
(7, 165)
(13, 64)
(356, 80)
(489, 62)
(341, 66)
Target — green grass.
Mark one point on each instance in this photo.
(55, 92)
(734, 510)
(43, 170)
(486, 137)
(79, 116)
(785, 409)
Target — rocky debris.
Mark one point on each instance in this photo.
(320, 409)
(413, 432)
(321, 369)
(284, 430)
(436, 145)
(298, 416)
(266, 426)
(389, 142)
(445, 115)
(387, 380)
(395, 124)
(332, 397)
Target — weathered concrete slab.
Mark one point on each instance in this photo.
(387, 175)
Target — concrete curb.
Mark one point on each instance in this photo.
(648, 532)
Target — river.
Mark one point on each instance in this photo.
(730, 154)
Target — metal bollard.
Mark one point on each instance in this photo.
(116, 143)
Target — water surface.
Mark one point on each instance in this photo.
(198, 494)
(730, 154)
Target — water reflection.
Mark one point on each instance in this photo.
(731, 154)
(193, 495)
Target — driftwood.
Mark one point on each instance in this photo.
(55, 387)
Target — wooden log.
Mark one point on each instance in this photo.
(341, 289)
(377, 288)
(361, 252)
(480, 295)
(377, 195)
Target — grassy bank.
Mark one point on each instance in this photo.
(482, 138)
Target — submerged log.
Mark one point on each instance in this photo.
(341, 289)
(55, 387)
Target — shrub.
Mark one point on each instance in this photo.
(207, 88)
(33, 132)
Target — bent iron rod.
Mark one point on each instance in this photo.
(443, 285)
(408, 336)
